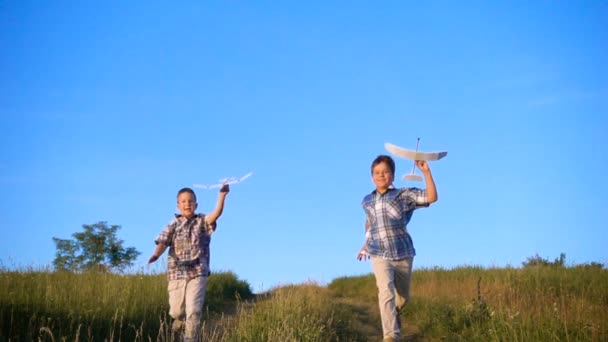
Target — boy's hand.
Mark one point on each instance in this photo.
(158, 251)
(363, 255)
(152, 259)
(225, 188)
(423, 165)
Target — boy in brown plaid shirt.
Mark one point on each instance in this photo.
(188, 237)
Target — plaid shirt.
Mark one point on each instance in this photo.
(188, 241)
(388, 215)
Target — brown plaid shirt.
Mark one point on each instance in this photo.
(188, 241)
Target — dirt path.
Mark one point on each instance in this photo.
(367, 316)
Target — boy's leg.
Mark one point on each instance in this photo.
(177, 303)
(195, 298)
(383, 271)
(403, 279)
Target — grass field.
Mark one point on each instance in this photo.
(541, 303)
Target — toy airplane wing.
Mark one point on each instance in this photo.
(245, 176)
(414, 155)
(227, 180)
(214, 186)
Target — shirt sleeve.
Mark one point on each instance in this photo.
(416, 196)
(209, 228)
(166, 235)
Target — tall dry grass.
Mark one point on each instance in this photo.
(58, 306)
(39, 303)
(462, 304)
(501, 304)
(305, 312)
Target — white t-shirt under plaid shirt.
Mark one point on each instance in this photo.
(188, 241)
(388, 215)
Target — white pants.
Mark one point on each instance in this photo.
(186, 298)
(393, 280)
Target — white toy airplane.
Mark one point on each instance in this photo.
(227, 180)
(414, 155)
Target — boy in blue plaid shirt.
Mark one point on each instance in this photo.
(388, 210)
(188, 237)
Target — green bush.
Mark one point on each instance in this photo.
(224, 288)
(537, 260)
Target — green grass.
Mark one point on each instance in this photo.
(89, 305)
(463, 304)
(305, 312)
(506, 304)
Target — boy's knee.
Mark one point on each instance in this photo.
(176, 314)
(195, 315)
(386, 294)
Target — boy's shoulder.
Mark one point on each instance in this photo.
(368, 197)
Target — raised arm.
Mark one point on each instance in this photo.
(431, 189)
(219, 208)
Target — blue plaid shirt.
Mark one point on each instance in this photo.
(188, 241)
(388, 215)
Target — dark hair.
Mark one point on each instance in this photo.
(188, 190)
(384, 159)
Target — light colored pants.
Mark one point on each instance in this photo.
(186, 298)
(393, 280)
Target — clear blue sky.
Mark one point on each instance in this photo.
(108, 108)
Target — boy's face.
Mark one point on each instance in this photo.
(382, 177)
(186, 204)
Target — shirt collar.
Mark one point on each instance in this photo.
(183, 218)
(390, 188)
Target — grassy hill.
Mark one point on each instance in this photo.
(540, 303)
